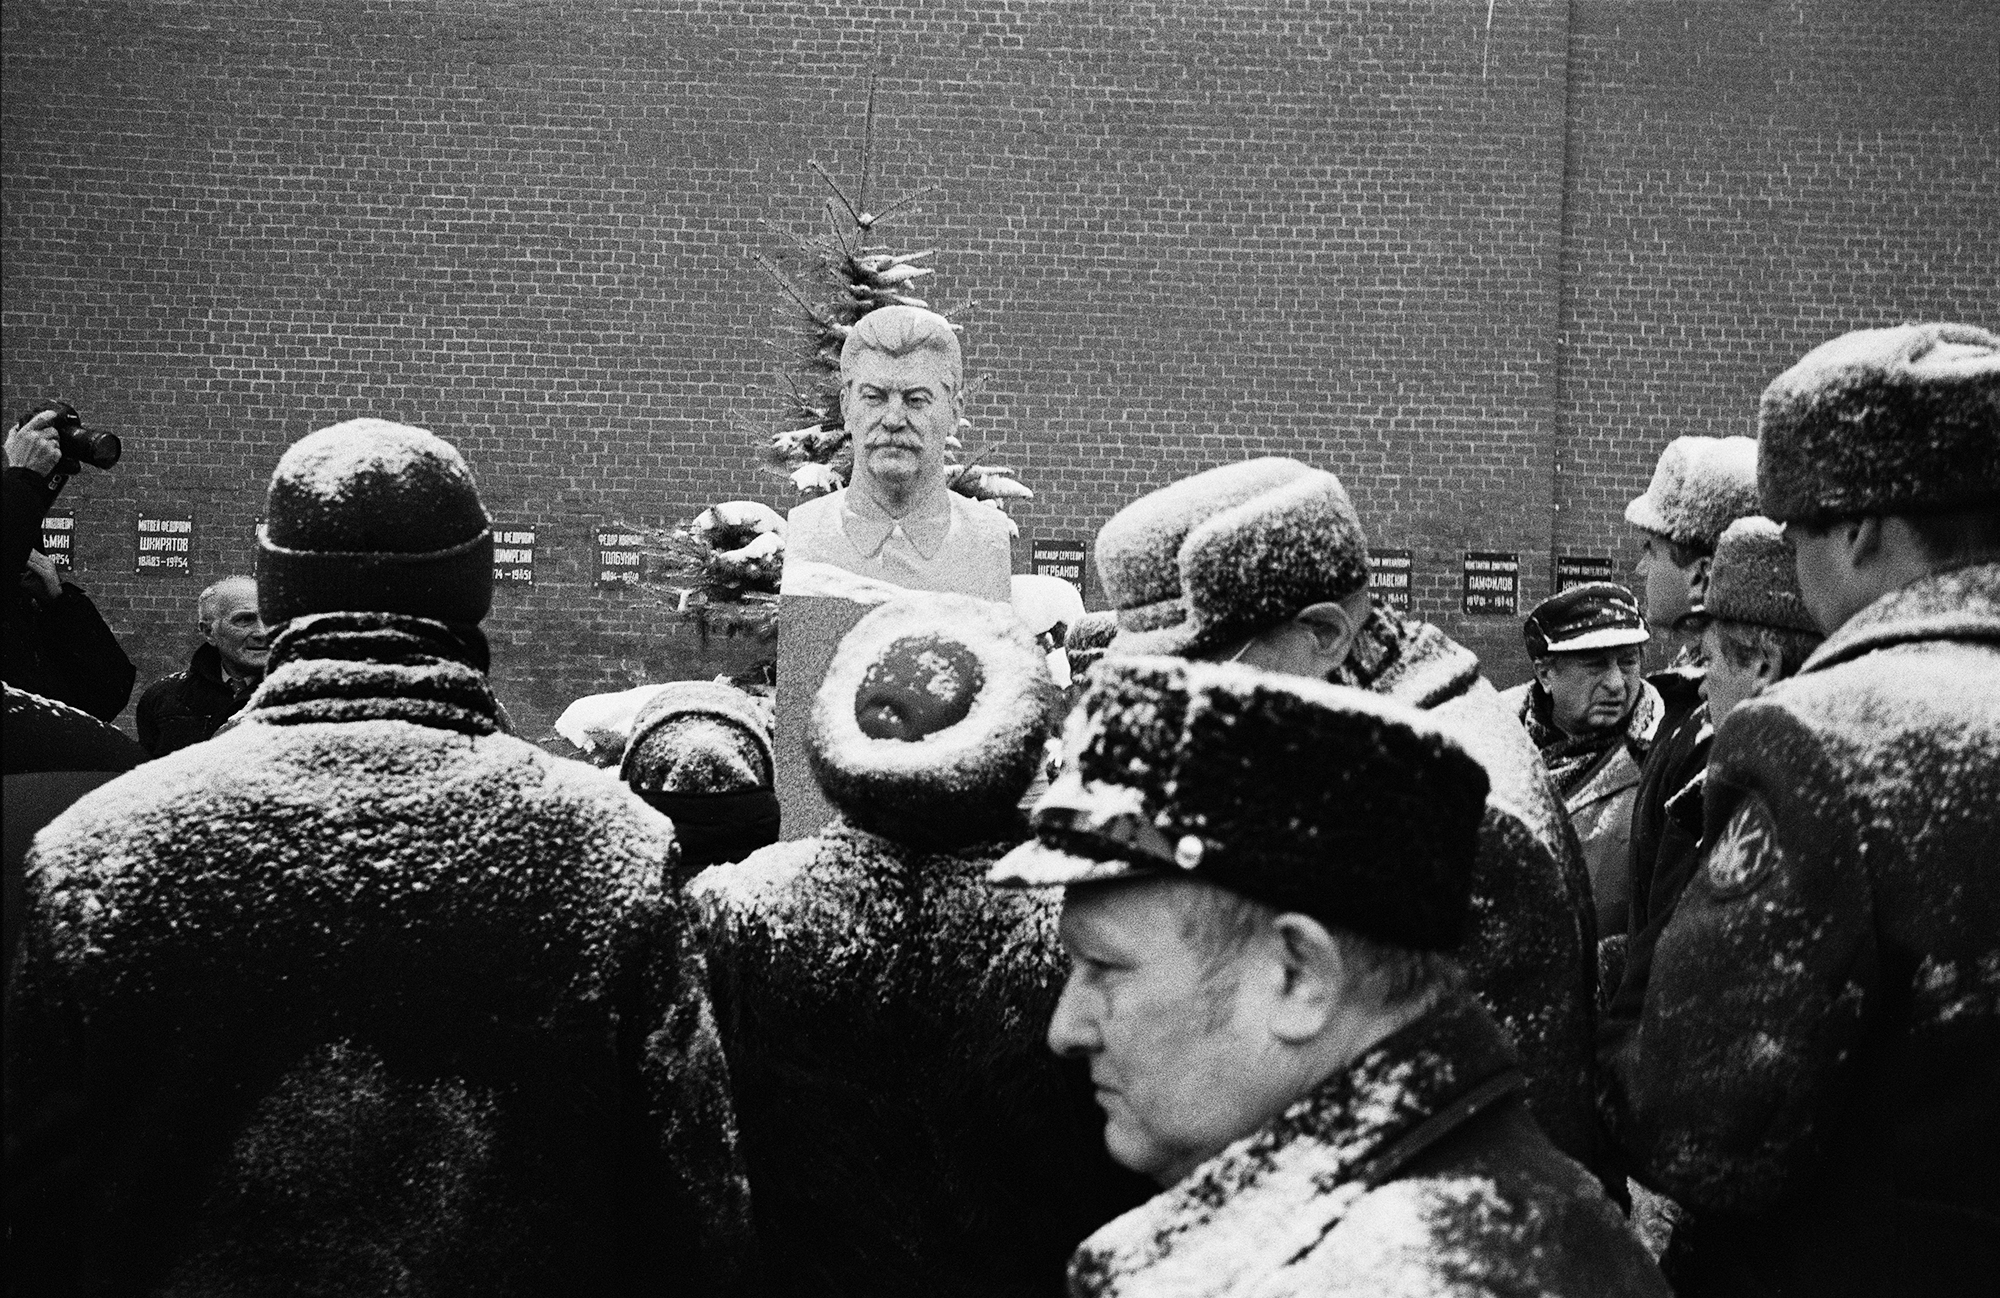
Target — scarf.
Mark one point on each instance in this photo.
(333, 667)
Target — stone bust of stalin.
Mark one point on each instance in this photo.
(901, 377)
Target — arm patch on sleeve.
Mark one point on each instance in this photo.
(1745, 853)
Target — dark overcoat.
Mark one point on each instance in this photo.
(907, 1130)
(364, 997)
(1817, 1069)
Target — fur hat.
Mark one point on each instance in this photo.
(1883, 421)
(1755, 578)
(1309, 797)
(1700, 486)
(931, 722)
(374, 516)
(1595, 615)
(698, 737)
(1228, 553)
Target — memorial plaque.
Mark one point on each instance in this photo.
(166, 545)
(1389, 573)
(1492, 583)
(513, 555)
(621, 558)
(1058, 556)
(1581, 569)
(59, 539)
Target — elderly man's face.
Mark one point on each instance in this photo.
(1593, 690)
(899, 410)
(236, 630)
(1173, 1054)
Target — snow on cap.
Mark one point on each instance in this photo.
(931, 721)
(1228, 553)
(374, 516)
(698, 737)
(1306, 796)
(1755, 578)
(1595, 615)
(1883, 421)
(1699, 487)
(1043, 602)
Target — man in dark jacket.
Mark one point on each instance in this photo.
(1265, 562)
(1817, 1068)
(1262, 875)
(189, 706)
(882, 1010)
(432, 1021)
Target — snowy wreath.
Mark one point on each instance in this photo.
(931, 722)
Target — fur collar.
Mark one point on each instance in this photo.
(1271, 1197)
(1408, 660)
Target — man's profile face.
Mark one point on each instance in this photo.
(1666, 587)
(899, 410)
(236, 630)
(1170, 1051)
(1591, 691)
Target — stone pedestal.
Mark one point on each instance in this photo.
(810, 628)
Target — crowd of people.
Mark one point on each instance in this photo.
(1257, 946)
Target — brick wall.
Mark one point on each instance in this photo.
(1481, 272)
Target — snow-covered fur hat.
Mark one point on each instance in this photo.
(698, 737)
(1088, 636)
(931, 722)
(1755, 578)
(1883, 421)
(371, 516)
(1228, 553)
(1699, 487)
(1310, 797)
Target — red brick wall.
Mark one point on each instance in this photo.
(1479, 273)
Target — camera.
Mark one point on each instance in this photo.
(79, 445)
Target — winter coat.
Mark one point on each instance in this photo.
(1531, 954)
(1817, 1070)
(54, 755)
(188, 706)
(364, 997)
(907, 1130)
(61, 649)
(1416, 1170)
(1679, 752)
(1597, 778)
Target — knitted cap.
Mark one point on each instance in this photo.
(1228, 553)
(699, 737)
(1755, 578)
(930, 723)
(1883, 421)
(1699, 487)
(1308, 797)
(1595, 615)
(373, 516)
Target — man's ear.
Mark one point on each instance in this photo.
(1768, 666)
(1314, 977)
(1332, 629)
(1864, 540)
(1698, 581)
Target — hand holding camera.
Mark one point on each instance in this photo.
(34, 444)
(76, 445)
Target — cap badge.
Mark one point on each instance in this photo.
(1188, 852)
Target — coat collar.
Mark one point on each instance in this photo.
(336, 667)
(1408, 660)
(869, 526)
(1962, 604)
(1263, 1201)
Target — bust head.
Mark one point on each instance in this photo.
(901, 376)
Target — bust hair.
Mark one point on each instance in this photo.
(898, 331)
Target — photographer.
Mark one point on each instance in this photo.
(57, 644)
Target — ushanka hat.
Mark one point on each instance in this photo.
(1595, 615)
(374, 516)
(1755, 578)
(698, 737)
(1228, 553)
(1883, 421)
(1309, 797)
(1700, 486)
(932, 719)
